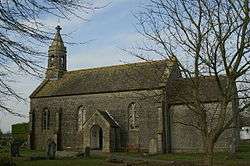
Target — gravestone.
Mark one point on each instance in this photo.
(51, 150)
(153, 146)
(87, 151)
(14, 149)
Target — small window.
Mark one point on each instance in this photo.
(62, 62)
(133, 117)
(52, 57)
(51, 62)
(46, 119)
(57, 120)
(81, 117)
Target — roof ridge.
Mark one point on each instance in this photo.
(199, 77)
(120, 65)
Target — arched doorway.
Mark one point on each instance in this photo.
(96, 137)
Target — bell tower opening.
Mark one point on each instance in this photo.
(57, 64)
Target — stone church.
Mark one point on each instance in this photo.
(128, 107)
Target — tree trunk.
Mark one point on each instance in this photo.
(235, 107)
(209, 153)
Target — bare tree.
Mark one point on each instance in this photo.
(208, 38)
(22, 32)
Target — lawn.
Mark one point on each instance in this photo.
(221, 159)
(73, 162)
(25, 161)
(241, 159)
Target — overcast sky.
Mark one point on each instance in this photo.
(107, 31)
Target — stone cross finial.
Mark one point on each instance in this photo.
(58, 28)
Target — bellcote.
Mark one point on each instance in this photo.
(57, 42)
(57, 63)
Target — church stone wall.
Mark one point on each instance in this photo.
(188, 139)
(116, 104)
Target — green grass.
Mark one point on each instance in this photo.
(221, 159)
(75, 162)
(242, 157)
(244, 151)
(23, 152)
(178, 156)
(26, 153)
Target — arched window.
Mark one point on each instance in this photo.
(52, 58)
(58, 121)
(81, 117)
(32, 120)
(133, 117)
(46, 119)
(62, 62)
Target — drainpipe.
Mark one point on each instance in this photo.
(168, 131)
(167, 125)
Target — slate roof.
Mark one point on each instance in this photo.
(182, 90)
(245, 118)
(109, 118)
(136, 76)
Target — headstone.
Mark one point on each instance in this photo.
(152, 146)
(51, 150)
(14, 149)
(87, 151)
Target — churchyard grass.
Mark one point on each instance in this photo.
(24, 152)
(221, 159)
(242, 157)
(93, 161)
